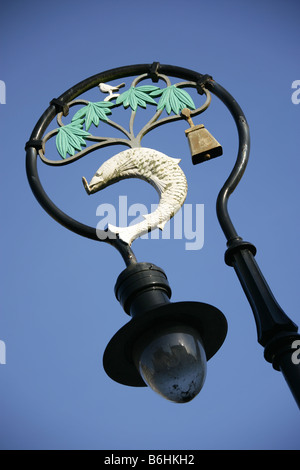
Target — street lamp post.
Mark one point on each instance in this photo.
(165, 345)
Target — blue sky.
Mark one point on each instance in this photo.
(58, 309)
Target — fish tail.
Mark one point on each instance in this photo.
(130, 233)
(123, 233)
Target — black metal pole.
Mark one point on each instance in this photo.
(290, 370)
(276, 331)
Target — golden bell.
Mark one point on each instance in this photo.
(203, 145)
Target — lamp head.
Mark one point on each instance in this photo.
(165, 345)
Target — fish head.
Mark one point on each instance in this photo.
(100, 180)
(96, 183)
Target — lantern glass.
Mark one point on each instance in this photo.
(172, 361)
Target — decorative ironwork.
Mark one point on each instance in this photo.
(72, 138)
(156, 168)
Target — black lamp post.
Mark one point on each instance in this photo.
(166, 345)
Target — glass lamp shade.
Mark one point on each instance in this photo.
(172, 361)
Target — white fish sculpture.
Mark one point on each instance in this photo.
(156, 168)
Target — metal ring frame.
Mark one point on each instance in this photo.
(117, 73)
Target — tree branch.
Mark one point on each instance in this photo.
(153, 123)
(101, 143)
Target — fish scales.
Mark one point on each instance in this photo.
(156, 168)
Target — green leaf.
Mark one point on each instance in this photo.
(137, 96)
(157, 92)
(132, 100)
(80, 114)
(174, 103)
(71, 138)
(184, 97)
(164, 98)
(143, 96)
(90, 117)
(173, 99)
(148, 88)
(93, 112)
(124, 98)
